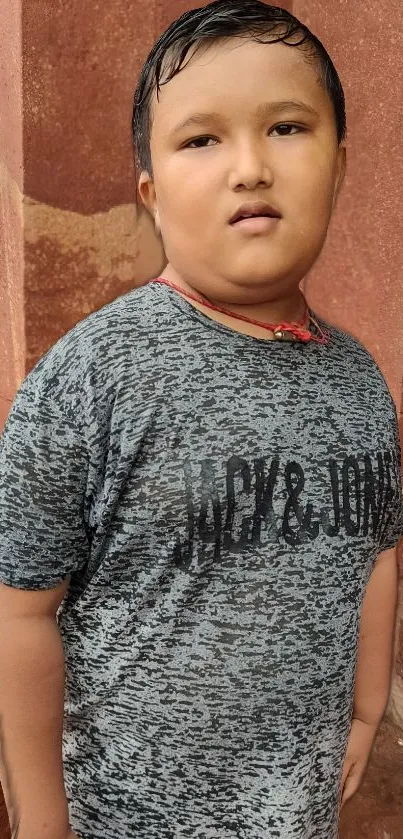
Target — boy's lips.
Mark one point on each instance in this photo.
(254, 209)
(258, 224)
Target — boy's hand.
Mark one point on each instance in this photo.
(360, 742)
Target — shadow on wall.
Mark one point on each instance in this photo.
(79, 265)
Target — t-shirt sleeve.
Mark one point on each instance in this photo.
(392, 524)
(43, 471)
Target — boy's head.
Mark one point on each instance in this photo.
(245, 63)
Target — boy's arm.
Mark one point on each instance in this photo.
(31, 713)
(376, 647)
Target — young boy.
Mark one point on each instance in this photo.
(199, 507)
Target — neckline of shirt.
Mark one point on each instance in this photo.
(187, 308)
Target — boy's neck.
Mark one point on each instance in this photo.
(290, 309)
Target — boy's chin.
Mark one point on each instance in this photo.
(263, 278)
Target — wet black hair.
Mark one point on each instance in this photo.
(251, 19)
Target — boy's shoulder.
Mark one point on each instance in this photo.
(130, 314)
(346, 342)
(353, 359)
(104, 336)
(91, 360)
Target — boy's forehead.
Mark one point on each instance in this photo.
(211, 59)
(215, 80)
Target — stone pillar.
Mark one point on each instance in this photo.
(12, 335)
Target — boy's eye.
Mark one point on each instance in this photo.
(283, 125)
(191, 143)
(287, 126)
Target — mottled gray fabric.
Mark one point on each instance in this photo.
(219, 501)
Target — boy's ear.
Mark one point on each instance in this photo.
(146, 190)
(341, 171)
(147, 194)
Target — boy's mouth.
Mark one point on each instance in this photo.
(254, 210)
(256, 224)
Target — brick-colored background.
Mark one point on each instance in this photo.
(72, 234)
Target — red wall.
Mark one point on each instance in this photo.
(72, 235)
(12, 339)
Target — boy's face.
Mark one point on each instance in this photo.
(197, 189)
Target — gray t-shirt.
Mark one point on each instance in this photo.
(220, 501)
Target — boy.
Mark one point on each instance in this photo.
(200, 482)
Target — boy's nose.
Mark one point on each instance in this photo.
(250, 170)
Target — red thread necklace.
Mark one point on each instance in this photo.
(283, 331)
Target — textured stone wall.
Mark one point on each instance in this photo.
(72, 235)
(86, 240)
(12, 338)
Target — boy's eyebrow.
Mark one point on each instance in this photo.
(263, 111)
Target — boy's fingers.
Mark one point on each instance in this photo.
(351, 784)
(348, 765)
(346, 778)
